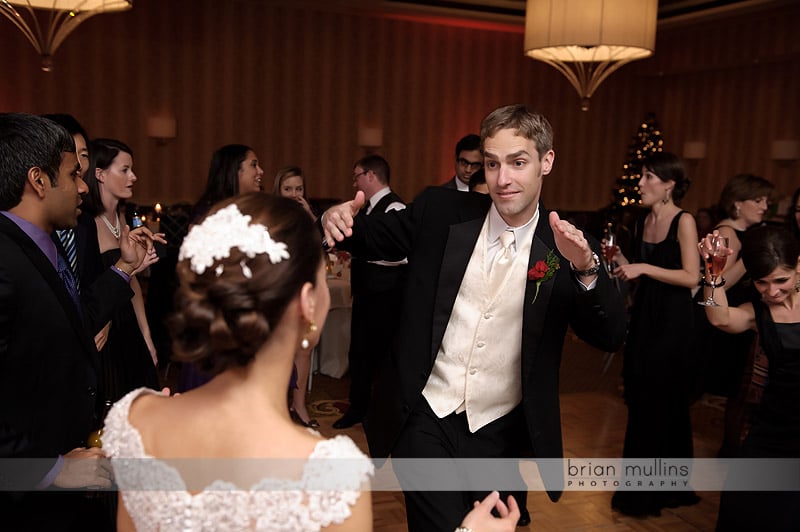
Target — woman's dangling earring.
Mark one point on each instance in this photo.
(666, 198)
(738, 209)
(312, 327)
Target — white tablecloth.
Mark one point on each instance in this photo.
(334, 342)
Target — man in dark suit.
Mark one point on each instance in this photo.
(473, 371)
(377, 290)
(48, 361)
(468, 161)
(88, 264)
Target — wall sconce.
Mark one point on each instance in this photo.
(785, 150)
(162, 128)
(370, 137)
(694, 150)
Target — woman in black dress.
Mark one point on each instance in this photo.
(657, 359)
(128, 358)
(772, 257)
(744, 201)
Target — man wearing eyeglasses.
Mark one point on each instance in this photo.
(376, 288)
(468, 161)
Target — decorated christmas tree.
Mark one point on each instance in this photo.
(647, 140)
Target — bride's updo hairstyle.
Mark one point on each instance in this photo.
(227, 307)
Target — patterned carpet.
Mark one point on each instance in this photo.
(327, 408)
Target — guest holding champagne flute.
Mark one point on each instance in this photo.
(772, 258)
(744, 201)
(656, 364)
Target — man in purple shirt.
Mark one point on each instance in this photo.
(48, 360)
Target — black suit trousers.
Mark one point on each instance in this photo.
(427, 436)
(375, 316)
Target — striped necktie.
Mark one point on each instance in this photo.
(70, 281)
(67, 238)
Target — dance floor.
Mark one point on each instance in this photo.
(593, 419)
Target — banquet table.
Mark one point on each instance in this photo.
(334, 342)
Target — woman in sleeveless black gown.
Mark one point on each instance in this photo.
(127, 357)
(656, 368)
(722, 357)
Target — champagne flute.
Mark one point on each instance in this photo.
(715, 264)
(609, 248)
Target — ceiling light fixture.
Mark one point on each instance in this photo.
(46, 23)
(587, 40)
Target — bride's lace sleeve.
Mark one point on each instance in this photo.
(120, 438)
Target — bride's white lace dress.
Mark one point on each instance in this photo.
(157, 498)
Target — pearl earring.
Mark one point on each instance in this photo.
(312, 328)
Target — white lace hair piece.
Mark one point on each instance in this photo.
(224, 230)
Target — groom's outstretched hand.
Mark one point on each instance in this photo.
(337, 222)
(571, 243)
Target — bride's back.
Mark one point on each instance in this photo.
(226, 456)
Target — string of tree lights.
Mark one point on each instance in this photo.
(647, 140)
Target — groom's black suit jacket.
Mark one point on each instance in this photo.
(437, 232)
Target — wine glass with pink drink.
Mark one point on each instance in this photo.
(715, 264)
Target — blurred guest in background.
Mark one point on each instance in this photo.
(290, 183)
(705, 219)
(744, 201)
(468, 161)
(477, 182)
(234, 170)
(793, 218)
(377, 288)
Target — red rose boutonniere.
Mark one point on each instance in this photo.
(543, 270)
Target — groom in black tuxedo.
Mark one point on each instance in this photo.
(474, 367)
